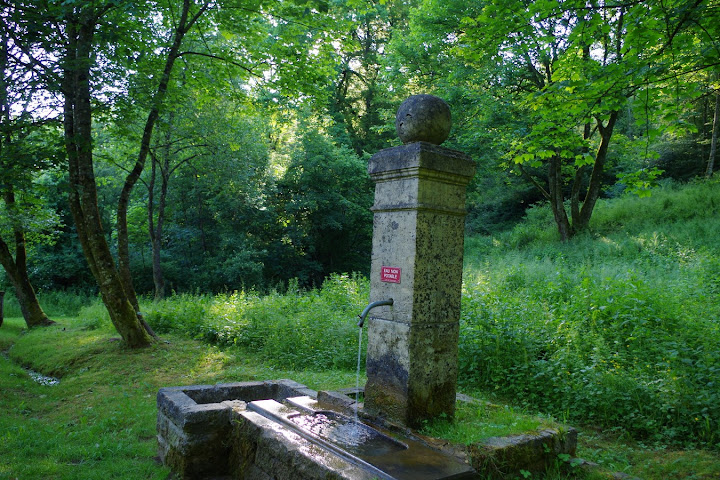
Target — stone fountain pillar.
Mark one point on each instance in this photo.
(417, 260)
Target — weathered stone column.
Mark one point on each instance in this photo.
(417, 259)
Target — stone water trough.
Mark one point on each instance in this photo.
(277, 430)
(282, 430)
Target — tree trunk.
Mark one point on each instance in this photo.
(714, 137)
(557, 200)
(82, 197)
(2, 303)
(29, 305)
(16, 269)
(582, 222)
(579, 173)
(184, 24)
(158, 277)
(155, 230)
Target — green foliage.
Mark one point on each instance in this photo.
(542, 83)
(55, 303)
(681, 160)
(361, 102)
(26, 163)
(243, 213)
(615, 329)
(312, 329)
(324, 223)
(477, 421)
(640, 182)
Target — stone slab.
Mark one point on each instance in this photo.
(500, 457)
(194, 422)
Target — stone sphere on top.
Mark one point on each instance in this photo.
(423, 118)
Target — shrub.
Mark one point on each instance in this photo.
(618, 329)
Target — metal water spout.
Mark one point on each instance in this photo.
(364, 313)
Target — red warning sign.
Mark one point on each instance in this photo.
(390, 274)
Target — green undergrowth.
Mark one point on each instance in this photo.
(619, 328)
(54, 303)
(299, 329)
(613, 451)
(479, 420)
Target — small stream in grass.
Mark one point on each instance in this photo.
(37, 377)
(42, 379)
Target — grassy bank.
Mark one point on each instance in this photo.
(98, 422)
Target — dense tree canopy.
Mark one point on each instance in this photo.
(219, 145)
(568, 72)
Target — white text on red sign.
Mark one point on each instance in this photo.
(390, 274)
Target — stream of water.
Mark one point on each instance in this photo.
(37, 377)
(43, 379)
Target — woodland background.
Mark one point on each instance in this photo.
(228, 140)
(197, 170)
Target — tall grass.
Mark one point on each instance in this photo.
(619, 327)
(54, 303)
(299, 329)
